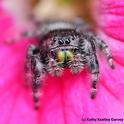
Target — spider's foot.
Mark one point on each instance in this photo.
(93, 93)
(36, 97)
(36, 106)
(111, 64)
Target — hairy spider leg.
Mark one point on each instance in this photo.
(94, 66)
(88, 50)
(36, 66)
(102, 46)
(80, 26)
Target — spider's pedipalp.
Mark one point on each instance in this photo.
(77, 64)
(54, 69)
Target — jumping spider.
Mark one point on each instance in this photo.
(63, 44)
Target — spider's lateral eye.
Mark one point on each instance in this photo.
(60, 42)
(72, 37)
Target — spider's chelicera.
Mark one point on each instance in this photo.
(63, 44)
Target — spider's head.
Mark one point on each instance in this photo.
(64, 39)
(64, 45)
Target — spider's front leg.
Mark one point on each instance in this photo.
(35, 67)
(87, 50)
(103, 46)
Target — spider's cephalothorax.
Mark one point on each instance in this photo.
(63, 44)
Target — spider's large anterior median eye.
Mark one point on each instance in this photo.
(66, 55)
(61, 56)
(69, 55)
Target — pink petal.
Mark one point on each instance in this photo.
(66, 100)
(111, 18)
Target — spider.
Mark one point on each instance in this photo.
(63, 44)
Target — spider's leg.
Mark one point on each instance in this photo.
(23, 35)
(103, 46)
(107, 51)
(87, 49)
(36, 32)
(28, 71)
(36, 67)
(94, 66)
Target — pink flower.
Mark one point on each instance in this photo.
(66, 100)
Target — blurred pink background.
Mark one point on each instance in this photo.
(66, 100)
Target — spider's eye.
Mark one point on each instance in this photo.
(67, 42)
(61, 56)
(65, 55)
(60, 42)
(72, 38)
